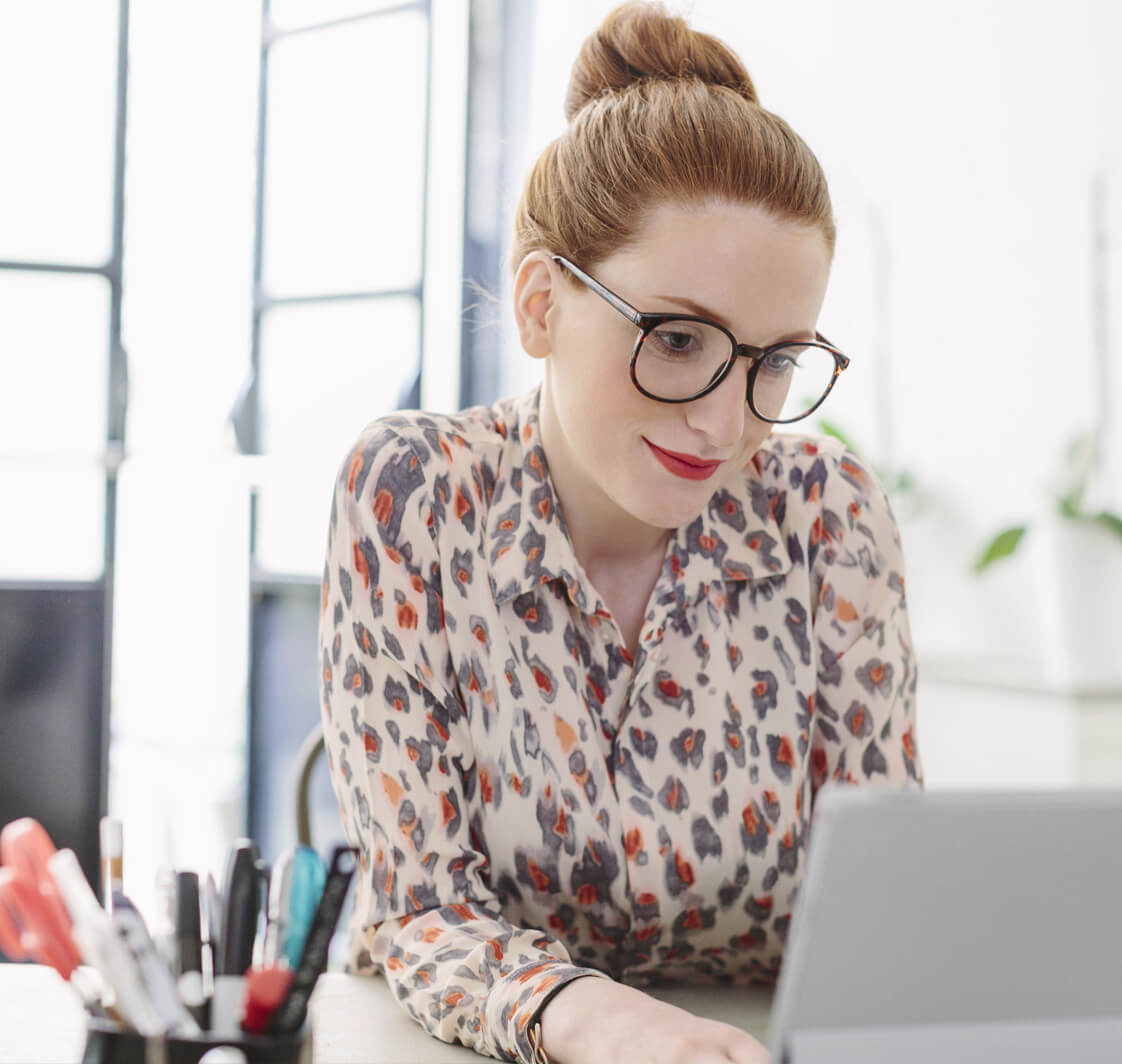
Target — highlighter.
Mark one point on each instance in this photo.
(307, 878)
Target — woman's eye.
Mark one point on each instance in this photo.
(676, 342)
(778, 362)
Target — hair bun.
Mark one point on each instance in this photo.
(640, 41)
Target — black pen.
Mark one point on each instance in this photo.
(211, 905)
(240, 905)
(289, 1016)
(189, 947)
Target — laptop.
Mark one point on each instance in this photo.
(966, 926)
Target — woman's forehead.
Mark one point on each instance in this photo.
(724, 234)
(736, 260)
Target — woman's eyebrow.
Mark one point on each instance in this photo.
(704, 312)
(696, 309)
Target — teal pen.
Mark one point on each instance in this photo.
(308, 876)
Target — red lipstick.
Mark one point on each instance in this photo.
(687, 466)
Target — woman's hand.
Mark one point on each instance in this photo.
(597, 1021)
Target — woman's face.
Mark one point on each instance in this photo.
(762, 277)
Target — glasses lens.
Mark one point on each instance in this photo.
(680, 358)
(791, 380)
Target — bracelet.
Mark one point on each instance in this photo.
(540, 1056)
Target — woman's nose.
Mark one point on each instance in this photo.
(720, 415)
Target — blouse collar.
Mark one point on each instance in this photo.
(738, 537)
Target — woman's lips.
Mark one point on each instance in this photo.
(683, 465)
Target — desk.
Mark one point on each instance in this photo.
(356, 1019)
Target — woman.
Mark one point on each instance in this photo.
(589, 654)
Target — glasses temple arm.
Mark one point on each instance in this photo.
(625, 308)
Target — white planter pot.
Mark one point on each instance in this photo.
(1077, 571)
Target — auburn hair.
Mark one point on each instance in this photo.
(658, 112)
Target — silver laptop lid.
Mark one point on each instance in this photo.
(923, 908)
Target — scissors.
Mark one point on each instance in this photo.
(34, 922)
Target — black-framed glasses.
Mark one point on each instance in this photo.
(680, 357)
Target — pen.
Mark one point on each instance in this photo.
(239, 908)
(308, 877)
(211, 906)
(290, 1014)
(280, 894)
(100, 947)
(189, 946)
(130, 929)
(111, 837)
(163, 922)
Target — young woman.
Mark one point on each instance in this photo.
(589, 654)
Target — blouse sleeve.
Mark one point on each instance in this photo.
(865, 704)
(403, 768)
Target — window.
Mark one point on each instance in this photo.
(62, 407)
(290, 269)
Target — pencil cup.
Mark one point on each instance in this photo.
(110, 1043)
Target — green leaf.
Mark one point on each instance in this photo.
(1001, 546)
(1111, 522)
(1068, 507)
(905, 482)
(1080, 459)
(831, 429)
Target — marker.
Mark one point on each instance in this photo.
(292, 1011)
(265, 990)
(188, 965)
(240, 889)
(28, 931)
(111, 836)
(308, 877)
(100, 947)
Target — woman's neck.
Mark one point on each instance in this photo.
(604, 536)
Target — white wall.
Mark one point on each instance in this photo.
(960, 139)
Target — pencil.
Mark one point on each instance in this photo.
(112, 859)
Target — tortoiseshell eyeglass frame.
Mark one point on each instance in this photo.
(646, 323)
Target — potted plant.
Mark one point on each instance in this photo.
(1074, 549)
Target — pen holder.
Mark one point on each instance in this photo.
(110, 1043)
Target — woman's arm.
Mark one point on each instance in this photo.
(403, 768)
(590, 1023)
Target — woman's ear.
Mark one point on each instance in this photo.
(534, 294)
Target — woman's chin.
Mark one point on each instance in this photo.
(665, 514)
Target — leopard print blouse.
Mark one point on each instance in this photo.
(534, 804)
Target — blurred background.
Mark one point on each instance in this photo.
(232, 234)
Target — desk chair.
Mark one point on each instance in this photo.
(309, 754)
